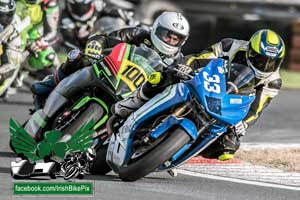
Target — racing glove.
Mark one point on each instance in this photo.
(93, 49)
(183, 71)
(39, 45)
(241, 128)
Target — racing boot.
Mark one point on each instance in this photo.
(41, 90)
(125, 107)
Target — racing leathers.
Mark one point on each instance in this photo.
(12, 46)
(235, 52)
(75, 31)
(266, 89)
(42, 34)
(81, 64)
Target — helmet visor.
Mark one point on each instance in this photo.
(6, 18)
(81, 9)
(170, 37)
(32, 1)
(263, 63)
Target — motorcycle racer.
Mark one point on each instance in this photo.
(169, 33)
(80, 17)
(44, 15)
(263, 53)
(13, 43)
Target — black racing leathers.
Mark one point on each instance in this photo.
(93, 49)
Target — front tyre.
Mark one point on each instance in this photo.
(153, 159)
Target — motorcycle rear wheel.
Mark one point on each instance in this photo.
(95, 112)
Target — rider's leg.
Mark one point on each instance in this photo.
(64, 91)
(156, 83)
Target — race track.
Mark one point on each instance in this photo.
(279, 124)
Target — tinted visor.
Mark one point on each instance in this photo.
(31, 1)
(169, 37)
(263, 63)
(80, 9)
(6, 18)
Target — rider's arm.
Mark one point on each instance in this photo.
(196, 62)
(113, 12)
(11, 58)
(264, 94)
(217, 50)
(50, 20)
(132, 35)
(96, 43)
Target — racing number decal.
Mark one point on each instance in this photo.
(211, 84)
(134, 75)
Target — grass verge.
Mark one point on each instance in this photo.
(284, 159)
(290, 79)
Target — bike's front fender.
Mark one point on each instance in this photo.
(171, 121)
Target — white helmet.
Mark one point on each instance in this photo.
(165, 25)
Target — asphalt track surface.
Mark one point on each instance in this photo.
(279, 124)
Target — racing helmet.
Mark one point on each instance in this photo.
(265, 54)
(7, 11)
(81, 10)
(169, 32)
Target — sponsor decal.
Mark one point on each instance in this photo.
(220, 70)
(235, 101)
(178, 26)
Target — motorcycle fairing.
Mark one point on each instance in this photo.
(209, 86)
(88, 99)
(123, 68)
(172, 120)
(203, 87)
(119, 150)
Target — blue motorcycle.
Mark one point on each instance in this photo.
(182, 121)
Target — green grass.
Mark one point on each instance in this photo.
(290, 79)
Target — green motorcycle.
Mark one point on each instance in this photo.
(69, 130)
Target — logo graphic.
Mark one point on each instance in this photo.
(178, 26)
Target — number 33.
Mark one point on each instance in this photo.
(215, 79)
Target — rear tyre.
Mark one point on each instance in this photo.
(156, 157)
(94, 111)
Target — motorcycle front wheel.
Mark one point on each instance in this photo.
(154, 158)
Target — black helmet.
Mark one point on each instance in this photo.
(81, 10)
(7, 11)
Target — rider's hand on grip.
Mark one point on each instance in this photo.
(39, 45)
(183, 71)
(241, 128)
(154, 78)
(93, 49)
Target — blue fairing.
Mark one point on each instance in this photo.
(209, 86)
(173, 95)
(186, 124)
